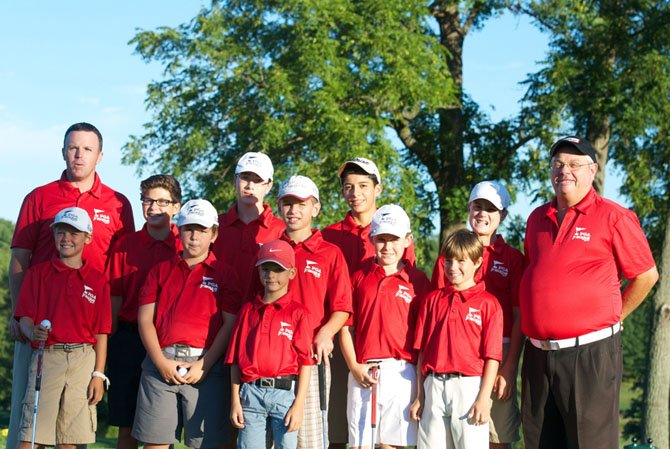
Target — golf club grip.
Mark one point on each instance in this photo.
(373, 411)
(322, 385)
(38, 372)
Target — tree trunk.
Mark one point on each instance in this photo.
(598, 134)
(657, 393)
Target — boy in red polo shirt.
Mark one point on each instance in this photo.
(186, 311)
(75, 298)
(322, 284)
(249, 222)
(129, 262)
(459, 339)
(501, 271)
(386, 295)
(270, 348)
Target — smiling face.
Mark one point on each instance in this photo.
(389, 249)
(461, 271)
(158, 207)
(251, 189)
(484, 217)
(82, 154)
(275, 278)
(298, 214)
(196, 240)
(572, 185)
(360, 193)
(70, 241)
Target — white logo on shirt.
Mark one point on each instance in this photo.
(99, 215)
(88, 294)
(209, 283)
(581, 234)
(285, 331)
(500, 268)
(403, 292)
(474, 315)
(311, 268)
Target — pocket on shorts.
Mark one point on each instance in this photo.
(93, 414)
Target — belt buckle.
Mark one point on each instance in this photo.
(267, 382)
(182, 351)
(67, 347)
(549, 345)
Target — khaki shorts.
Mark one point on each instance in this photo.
(64, 415)
(505, 416)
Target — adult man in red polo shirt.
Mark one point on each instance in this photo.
(79, 185)
(578, 247)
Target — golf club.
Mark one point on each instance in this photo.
(374, 371)
(322, 400)
(38, 380)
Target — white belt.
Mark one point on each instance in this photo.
(183, 351)
(553, 345)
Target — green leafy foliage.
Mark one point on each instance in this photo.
(6, 344)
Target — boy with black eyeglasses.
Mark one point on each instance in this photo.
(128, 265)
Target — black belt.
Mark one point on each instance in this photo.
(281, 383)
(67, 347)
(445, 376)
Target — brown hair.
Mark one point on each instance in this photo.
(167, 182)
(462, 244)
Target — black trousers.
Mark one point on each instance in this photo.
(570, 397)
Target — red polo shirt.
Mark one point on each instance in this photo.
(129, 262)
(457, 331)
(354, 242)
(238, 244)
(385, 311)
(76, 301)
(271, 340)
(501, 271)
(110, 212)
(190, 300)
(322, 283)
(572, 284)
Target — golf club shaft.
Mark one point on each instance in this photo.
(373, 405)
(322, 400)
(38, 385)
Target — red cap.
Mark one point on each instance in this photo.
(277, 251)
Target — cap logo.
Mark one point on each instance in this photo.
(70, 216)
(195, 210)
(360, 160)
(273, 250)
(572, 139)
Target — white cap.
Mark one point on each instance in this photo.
(76, 217)
(390, 219)
(367, 165)
(199, 212)
(300, 187)
(258, 163)
(492, 191)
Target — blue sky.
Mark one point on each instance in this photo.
(64, 62)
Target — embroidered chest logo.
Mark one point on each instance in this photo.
(311, 267)
(210, 284)
(581, 234)
(285, 330)
(500, 268)
(403, 292)
(100, 215)
(474, 315)
(88, 294)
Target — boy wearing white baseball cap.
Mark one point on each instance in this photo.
(249, 222)
(361, 185)
(322, 284)
(377, 340)
(501, 269)
(74, 297)
(187, 307)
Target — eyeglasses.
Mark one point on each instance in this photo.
(162, 202)
(572, 165)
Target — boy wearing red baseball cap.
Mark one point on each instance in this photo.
(75, 297)
(129, 262)
(249, 222)
(187, 306)
(322, 284)
(501, 271)
(379, 335)
(459, 339)
(270, 349)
